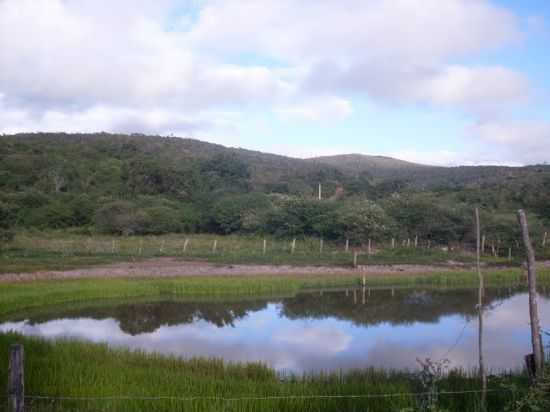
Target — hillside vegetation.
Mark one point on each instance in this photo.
(136, 184)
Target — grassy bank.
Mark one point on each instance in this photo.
(77, 369)
(32, 251)
(27, 295)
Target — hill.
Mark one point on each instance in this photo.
(152, 184)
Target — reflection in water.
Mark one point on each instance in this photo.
(332, 330)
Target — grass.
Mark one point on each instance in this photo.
(58, 250)
(21, 296)
(79, 369)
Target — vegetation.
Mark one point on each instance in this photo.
(140, 185)
(17, 297)
(57, 250)
(78, 369)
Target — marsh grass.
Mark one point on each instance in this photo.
(21, 296)
(68, 368)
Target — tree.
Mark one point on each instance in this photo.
(363, 220)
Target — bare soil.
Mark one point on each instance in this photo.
(171, 267)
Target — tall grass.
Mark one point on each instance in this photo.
(77, 369)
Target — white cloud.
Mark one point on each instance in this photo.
(525, 141)
(347, 29)
(325, 109)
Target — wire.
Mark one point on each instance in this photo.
(259, 398)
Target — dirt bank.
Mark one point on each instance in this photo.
(170, 267)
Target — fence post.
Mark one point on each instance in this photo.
(321, 246)
(533, 306)
(264, 250)
(185, 244)
(393, 243)
(215, 246)
(545, 237)
(369, 248)
(293, 246)
(16, 379)
(355, 259)
(347, 245)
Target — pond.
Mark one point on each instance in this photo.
(328, 330)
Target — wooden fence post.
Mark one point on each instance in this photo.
(369, 248)
(483, 238)
(533, 306)
(544, 238)
(416, 241)
(16, 379)
(185, 245)
(481, 293)
(354, 258)
(215, 246)
(347, 245)
(393, 243)
(113, 246)
(321, 246)
(293, 246)
(264, 249)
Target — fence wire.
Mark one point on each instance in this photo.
(256, 398)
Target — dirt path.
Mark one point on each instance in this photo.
(170, 267)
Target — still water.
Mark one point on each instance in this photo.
(323, 330)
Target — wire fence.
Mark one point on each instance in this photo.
(259, 398)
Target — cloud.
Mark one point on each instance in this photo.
(326, 109)
(347, 29)
(76, 55)
(523, 141)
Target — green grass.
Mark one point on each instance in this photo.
(21, 296)
(58, 250)
(77, 369)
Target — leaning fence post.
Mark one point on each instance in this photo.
(533, 306)
(293, 246)
(16, 379)
(215, 246)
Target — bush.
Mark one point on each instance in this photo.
(120, 217)
(54, 215)
(362, 220)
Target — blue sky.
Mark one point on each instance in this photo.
(438, 81)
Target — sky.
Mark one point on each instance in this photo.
(446, 82)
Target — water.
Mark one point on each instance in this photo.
(323, 330)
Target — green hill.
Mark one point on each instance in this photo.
(152, 184)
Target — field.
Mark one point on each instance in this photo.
(81, 370)
(32, 251)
